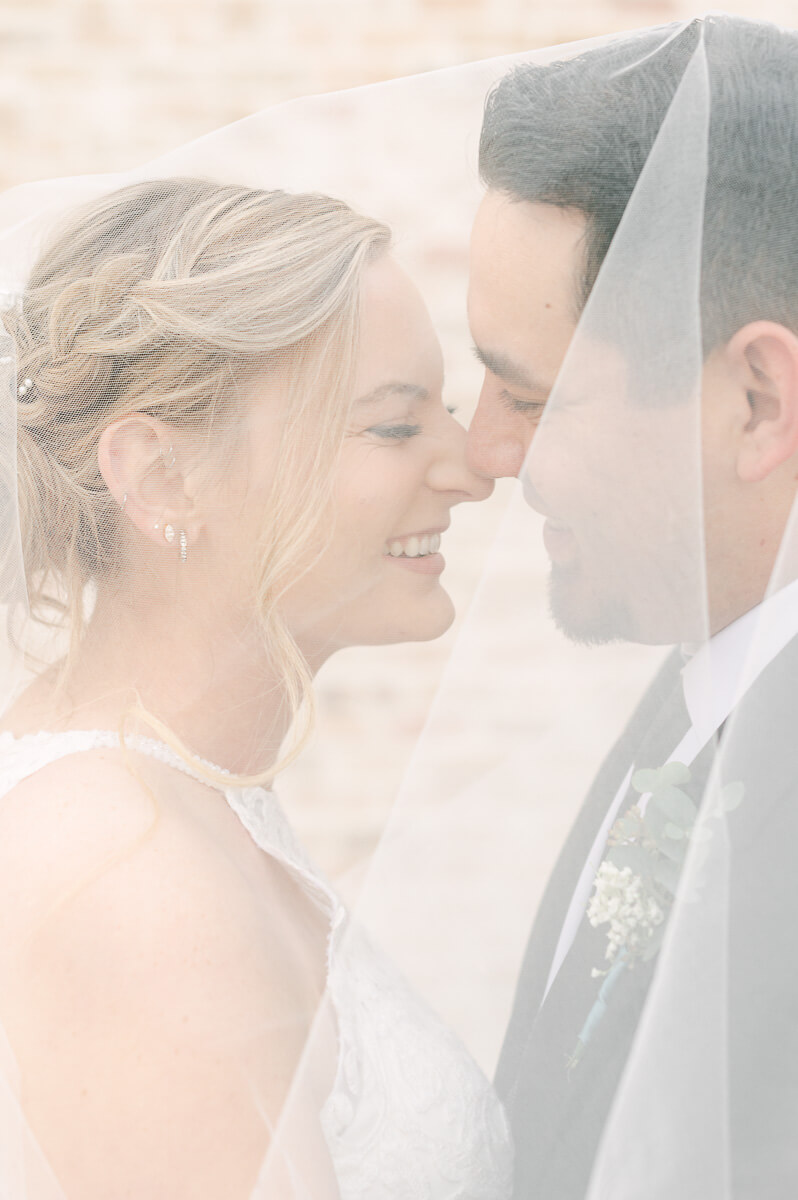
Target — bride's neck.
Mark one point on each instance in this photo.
(209, 681)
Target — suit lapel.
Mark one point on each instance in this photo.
(557, 897)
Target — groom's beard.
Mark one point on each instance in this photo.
(584, 614)
(643, 611)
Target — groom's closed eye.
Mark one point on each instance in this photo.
(509, 371)
(527, 408)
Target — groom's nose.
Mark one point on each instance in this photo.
(495, 447)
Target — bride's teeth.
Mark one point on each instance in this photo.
(414, 547)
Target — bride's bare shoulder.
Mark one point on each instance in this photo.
(106, 821)
(139, 933)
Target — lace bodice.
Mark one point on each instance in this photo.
(410, 1115)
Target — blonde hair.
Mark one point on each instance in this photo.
(171, 297)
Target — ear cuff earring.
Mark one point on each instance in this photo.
(168, 457)
(182, 540)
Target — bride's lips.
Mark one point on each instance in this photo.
(428, 564)
(559, 541)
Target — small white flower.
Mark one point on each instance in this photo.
(620, 901)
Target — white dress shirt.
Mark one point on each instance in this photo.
(716, 675)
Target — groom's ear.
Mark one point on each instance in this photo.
(763, 362)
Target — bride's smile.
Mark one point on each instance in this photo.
(401, 469)
(258, 472)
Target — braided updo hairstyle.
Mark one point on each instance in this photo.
(171, 298)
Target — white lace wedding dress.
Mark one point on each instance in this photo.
(410, 1115)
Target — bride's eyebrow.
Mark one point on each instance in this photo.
(414, 390)
(510, 371)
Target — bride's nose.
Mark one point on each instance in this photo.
(449, 471)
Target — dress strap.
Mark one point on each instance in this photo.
(257, 808)
(22, 756)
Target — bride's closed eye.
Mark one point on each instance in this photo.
(400, 432)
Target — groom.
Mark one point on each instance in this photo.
(561, 150)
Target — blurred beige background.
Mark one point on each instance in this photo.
(105, 85)
(97, 85)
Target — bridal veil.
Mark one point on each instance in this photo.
(523, 716)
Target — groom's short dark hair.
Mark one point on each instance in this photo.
(576, 133)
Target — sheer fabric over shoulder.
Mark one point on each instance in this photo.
(410, 1114)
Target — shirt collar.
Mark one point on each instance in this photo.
(718, 672)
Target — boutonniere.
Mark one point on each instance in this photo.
(636, 884)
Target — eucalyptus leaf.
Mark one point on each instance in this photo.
(674, 773)
(645, 780)
(656, 824)
(674, 832)
(627, 827)
(673, 850)
(654, 821)
(676, 805)
(633, 857)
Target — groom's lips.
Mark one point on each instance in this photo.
(558, 537)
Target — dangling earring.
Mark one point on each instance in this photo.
(183, 546)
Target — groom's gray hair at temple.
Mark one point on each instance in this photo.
(576, 134)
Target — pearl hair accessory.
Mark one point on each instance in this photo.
(24, 387)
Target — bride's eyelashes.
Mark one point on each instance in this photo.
(399, 433)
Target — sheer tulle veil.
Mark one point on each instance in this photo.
(523, 715)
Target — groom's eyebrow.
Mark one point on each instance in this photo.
(414, 390)
(504, 367)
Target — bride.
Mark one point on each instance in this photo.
(233, 460)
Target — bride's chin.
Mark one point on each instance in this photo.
(426, 621)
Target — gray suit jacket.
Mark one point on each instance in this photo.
(558, 1116)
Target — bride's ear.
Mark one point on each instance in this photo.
(763, 357)
(146, 466)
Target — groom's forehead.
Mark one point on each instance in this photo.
(528, 254)
(525, 273)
